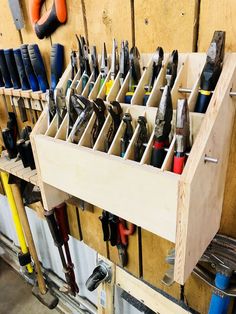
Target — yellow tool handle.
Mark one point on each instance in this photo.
(15, 216)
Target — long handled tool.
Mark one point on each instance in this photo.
(41, 292)
(24, 257)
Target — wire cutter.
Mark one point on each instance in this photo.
(115, 111)
(157, 60)
(114, 66)
(124, 61)
(135, 73)
(162, 128)
(95, 69)
(171, 70)
(142, 139)
(84, 60)
(182, 135)
(211, 71)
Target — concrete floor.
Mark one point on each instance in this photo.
(16, 296)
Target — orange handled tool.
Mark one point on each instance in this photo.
(45, 25)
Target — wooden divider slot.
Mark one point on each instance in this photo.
(62, 131)
(52, 129)
(85, 139)
(102, 91)
(114, 89)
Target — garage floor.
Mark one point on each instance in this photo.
(16, 296)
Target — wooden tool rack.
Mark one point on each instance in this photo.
(184, 209)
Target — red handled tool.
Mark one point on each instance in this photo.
(182, 136)
(45, 25)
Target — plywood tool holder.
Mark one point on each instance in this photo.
(184, 209)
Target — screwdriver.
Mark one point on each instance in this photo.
(211, 71)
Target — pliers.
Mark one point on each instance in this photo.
(104, 66)
(162, 128)
(84, 60)
(182, 135)
(142, 138)
(95, 69)
(124, 61)
(115, 111)
(125, 140)
(171, 70)
(99, 109)
(114, 66)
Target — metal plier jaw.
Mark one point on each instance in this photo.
(182, 126)
(157, 60)
(94, 63)
(127, 119)
(73, 60)
(135, 71)
(115, 111)
(81, 42)
(99, 109)
(163, 116)
(142, 138)
(171, 70)
(114, 60)
(214, 61)
(124, 60)
(104, 62)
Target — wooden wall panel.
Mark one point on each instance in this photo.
(107, 20)
(9, 35)
(170, 24)
(65, 34)
(217, 15)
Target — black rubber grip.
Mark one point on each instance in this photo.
(20, 148)
(49, 26)
(113, 230)
(9, 142)
(29, 154)
(34, 85)
(158, 157)
(21, 69)
(24, 259)
(22, 109)
(11, 64)
(57, 61)
(52, 224)
(4, 70)
(38, 66)
(1, 80)
(105, 225)
(202, 102)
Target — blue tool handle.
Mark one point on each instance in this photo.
(202, 102)
(29, 69)
(219, 303)
(4, 70)
(1, 80)
(57, 62)
(38, 66)
(21, 69)
(11, 64)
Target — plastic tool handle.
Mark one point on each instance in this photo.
(61, 217)
(158, 154)
(49, 22)
(9, 142)
(1, 80)
(105, 226)
(38, 66)
(11, 64)
(203, 100)
(52, 224)
(29, 69)
(179, 162)
(4, 70)
(21, 69)
(57, 61)
(29, 154)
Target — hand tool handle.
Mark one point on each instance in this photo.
(128, 97)
(9, 142)
(1, 80)
(21, 69)
(4, 70)
(49, 22)
(125, 232)
(85, 79)
(38, 66)
(29, 69)
(105, 225)
(22, 152)
(179, 162)
(11, 64)
(52, 224)
(62, 221)
(158, 154)
(21, 106)
(12, 124)
(29, 154)
(102, 82)
(203, 101)
(57, 61)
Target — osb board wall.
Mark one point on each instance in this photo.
(187, 25)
